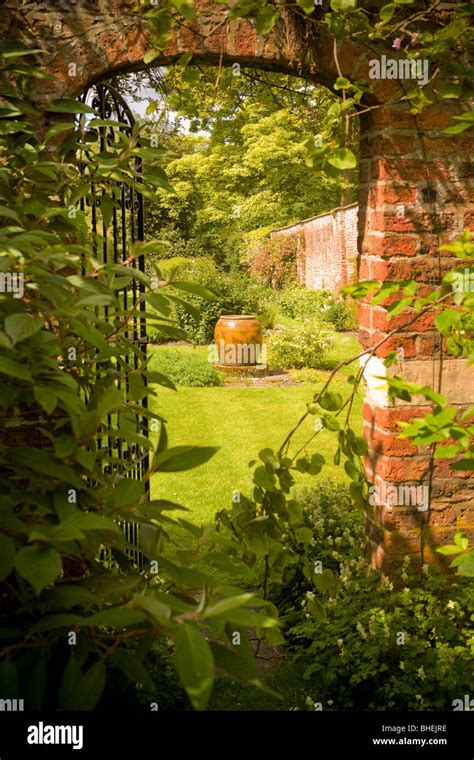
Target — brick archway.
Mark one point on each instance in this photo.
(405, 163)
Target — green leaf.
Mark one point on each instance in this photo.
(39, 565)
(316, 464)
(195, 665)
(118, 617)
(268, 457)
(158, 611)
(87, 692)
(461, 541)
(57, 129)
(53, 622)
(158, 178)
(70, 679)
(304, 535)
(447, 451)
(330, 422)
(306, 5)
(8, 213)
(325, 581)
(342, 159)
(180, 458)
(42, 461)
(448, 549)
(331, 401)
(63, 597)
(316, 609)
(150, 56)
(13, 49)
(464, 465)
(239, 667)
(457, 128)
(14, 369)
(343, 5)
(185, 8)
(18, 327)
(265, 479)
(465, 565)
(7, 555)
(67, 105)
(127, 493)
(220, 608)
(45, 397)
(465, 116)
(266, 19)
(342, 83)
(387, 12)
(107, 206)
(359, 446)
(132, 668)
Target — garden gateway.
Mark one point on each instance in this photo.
(403, 160)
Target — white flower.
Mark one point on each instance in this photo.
(361, 630)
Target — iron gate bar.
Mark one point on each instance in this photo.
(116, 240)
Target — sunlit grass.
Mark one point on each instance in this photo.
(240, 421)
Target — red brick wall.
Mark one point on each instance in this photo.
(328, 257)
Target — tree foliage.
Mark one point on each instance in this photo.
(242, 164)
(72, 377)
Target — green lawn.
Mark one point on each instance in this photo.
(240, 421)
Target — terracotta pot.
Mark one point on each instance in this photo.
(238, 340)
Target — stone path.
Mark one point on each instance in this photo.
(277, 380)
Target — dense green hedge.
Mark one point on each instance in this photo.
(405, 645)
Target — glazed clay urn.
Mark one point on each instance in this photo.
(238, 342)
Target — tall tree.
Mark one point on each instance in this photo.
(237, 155)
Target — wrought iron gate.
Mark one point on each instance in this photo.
(112, 243)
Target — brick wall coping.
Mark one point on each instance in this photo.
(332, 212)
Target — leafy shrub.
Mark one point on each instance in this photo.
(73, 378)
(299, 303)
(166, 691)
(352, 655)
(185, 368)
(298, 347)
(341, 315)
(237, 294)
(356, 657)
(180, 265)
(274, 261)
(267, 316)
